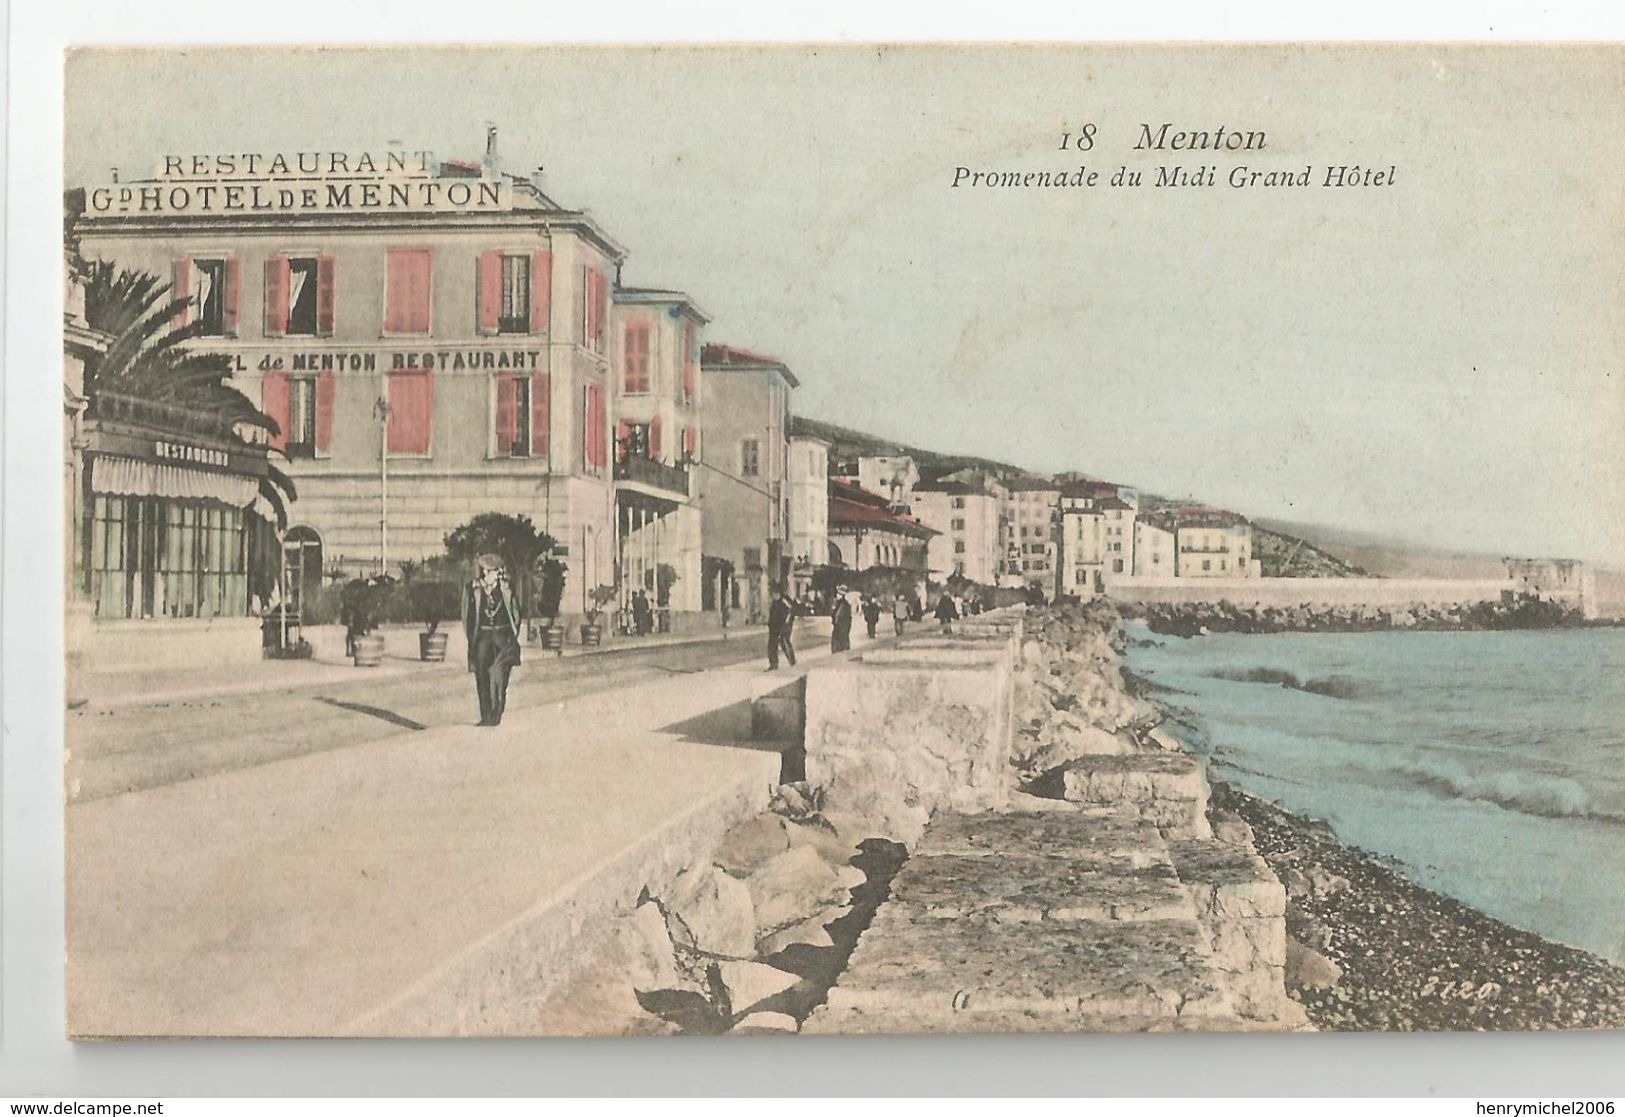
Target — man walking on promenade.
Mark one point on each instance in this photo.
(871, 614)
(840, 635)
(781, 618)
(899, 613)
(491, 623)
(947, 613)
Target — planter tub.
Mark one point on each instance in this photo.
(369, 650)
(432, 646)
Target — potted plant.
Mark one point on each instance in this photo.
(666, 577)
(592, 633)
(549, 595)
(433, 601)
(361, 606)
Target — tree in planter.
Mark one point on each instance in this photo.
(361, 607)
(549, 587)
(599, 597)
(515, 538)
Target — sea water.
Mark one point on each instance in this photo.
(1489, 765)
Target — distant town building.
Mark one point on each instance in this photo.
(968, 509)
(1564, 580)
(1211, 543)
(1153, 548)
(1032, 514)
(865, 532)
(656, 400)
(1097, 538)
(743, 484)
(809, 504)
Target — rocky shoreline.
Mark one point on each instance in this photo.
(1376, 951)
(1195, 618)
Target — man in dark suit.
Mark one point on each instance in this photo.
(491, 623)
(781, 618)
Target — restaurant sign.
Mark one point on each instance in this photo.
(290, 183)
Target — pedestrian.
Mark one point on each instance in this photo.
(491, 623)
(642, 615)
(781, 619)
(871, 614)
(900, 613)
(947, 613)
(840, 633)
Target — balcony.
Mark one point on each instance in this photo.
(639, 470)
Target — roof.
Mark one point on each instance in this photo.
(725, 357)
(1195, 516)
(1031, 485)
(853, 506)
(655, 296)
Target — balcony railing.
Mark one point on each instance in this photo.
(656, 474)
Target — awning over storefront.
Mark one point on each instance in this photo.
(117, 476)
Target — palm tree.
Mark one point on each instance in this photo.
(148, 362)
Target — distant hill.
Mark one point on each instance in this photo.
(1385, 557)
(851, 443)
(1283, 554)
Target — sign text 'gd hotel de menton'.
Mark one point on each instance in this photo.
(301, 182)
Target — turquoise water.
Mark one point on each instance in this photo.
(1490, 765)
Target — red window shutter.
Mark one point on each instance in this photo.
(180, 286)
(326, 297)
(601, 425)
(635, 377)
(274, 402)
(654, 437)
(688, 361)
(589, 451)
(276, 296)
(507, 414)
(326, 391)
(541, 292)
(408, 290)
(489, 296)
(541, 414)
(411, 412)
(234, 289)
(690, 438)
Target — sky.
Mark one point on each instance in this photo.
(1437, 360)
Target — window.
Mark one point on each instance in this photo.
(411, 412)
(691, 359)
(513, 417)
(303, 409)
(959, 502)
(407, 290)
(1117, 566)
(959, 546)
(515, 308)
(753, 558)
(212, 285)
(1207, 564)
(958, 523)
(635, 370)
(298, 296)
(595, 434)
(595, 291)
(750, 458)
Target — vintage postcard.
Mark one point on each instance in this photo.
(844, 539)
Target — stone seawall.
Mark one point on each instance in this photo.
(1089, 888)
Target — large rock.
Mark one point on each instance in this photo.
(1309, 969)
(641, 949)
(710, 911)
(823, 837)
(748, 984)
(791, 887)
(752, 844)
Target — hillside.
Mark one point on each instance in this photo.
(851, 443)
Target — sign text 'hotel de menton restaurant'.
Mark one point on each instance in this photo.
(436, 340)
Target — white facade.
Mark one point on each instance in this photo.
(1214, 549)
(808, 486)
(1030, 549)
(971, 518)
(1153, 550)
(893, 476)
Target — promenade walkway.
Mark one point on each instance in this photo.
(428, 882)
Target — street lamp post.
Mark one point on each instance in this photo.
(380, 411)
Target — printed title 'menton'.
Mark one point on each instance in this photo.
(1165, 139)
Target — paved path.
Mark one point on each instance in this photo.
(222, 725)
(329, 891)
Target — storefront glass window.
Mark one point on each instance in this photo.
(152, 557)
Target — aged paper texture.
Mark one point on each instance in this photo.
(652, 540)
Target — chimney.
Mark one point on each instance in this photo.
(490, 145)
